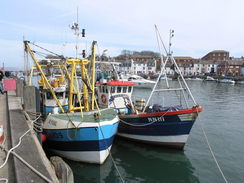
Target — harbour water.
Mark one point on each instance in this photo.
(223, 122)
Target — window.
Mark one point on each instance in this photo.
(112, 89)
(60, 95)
(103, 89)
(118, 89)
(49, 96)
(129, 89)
(124, 89)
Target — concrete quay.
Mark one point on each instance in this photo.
(28, 162)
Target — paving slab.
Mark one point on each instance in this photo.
(29, 150)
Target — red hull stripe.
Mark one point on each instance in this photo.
(118, 83)
(184, 111)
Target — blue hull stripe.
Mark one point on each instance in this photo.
(80, 145)
(172, 125)
(82, 134)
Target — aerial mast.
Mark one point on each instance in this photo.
(77, 33)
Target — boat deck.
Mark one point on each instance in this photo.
(106, 114)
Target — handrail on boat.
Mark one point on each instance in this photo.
(170, 89)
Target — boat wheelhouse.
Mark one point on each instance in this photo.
(114, 94)
(48, 103)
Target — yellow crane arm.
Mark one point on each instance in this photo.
(27, 48)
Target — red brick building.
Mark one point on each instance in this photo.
(217, 55)
(230, 68)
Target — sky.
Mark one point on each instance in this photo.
(200, 26)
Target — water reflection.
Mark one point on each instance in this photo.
(138, 163)
(145, 163)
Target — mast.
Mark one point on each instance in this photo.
(93, 73)
(163, 69)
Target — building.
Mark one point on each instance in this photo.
(138, 66)
(217, 55)
(230, 68)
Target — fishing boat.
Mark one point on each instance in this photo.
(58, 83)
(83, 133)
(154, 123)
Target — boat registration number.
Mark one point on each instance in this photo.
(156, 119)
(52, 122)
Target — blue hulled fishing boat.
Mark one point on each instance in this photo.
(82, 132)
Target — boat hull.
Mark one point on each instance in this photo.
(143, 85)
(88, 141)
(161, 128)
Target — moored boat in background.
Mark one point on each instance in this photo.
(230, 81)
(140, 82)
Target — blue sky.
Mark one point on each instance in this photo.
(200, 26)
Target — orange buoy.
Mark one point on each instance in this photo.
(44, 138)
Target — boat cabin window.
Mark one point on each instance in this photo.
(112, 89)
(103, 89)
(129, 89)
(118, 89)
(124, 89)
(60, 95)
(49, 95)
(100, 89)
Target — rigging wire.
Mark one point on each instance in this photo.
(61, 56)
(39, 53)
(161, 39)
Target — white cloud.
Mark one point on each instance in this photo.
(200, 26)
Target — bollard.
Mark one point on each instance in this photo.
(62, 170)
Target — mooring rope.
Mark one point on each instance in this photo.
(10, 150)
(120, 176)
(20, 158)
(4, 179)
(210, 149)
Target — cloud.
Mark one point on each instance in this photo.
(200, 26)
